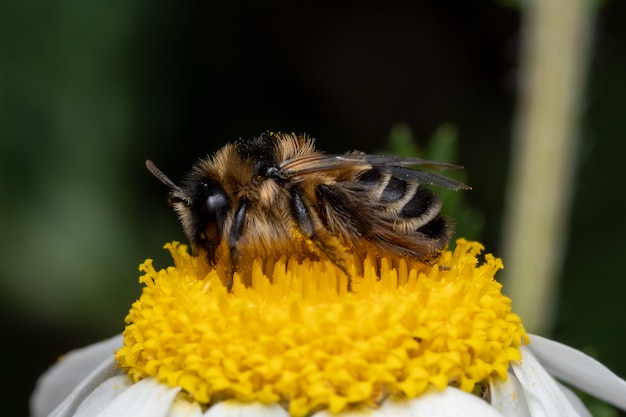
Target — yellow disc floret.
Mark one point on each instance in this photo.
(299, 338)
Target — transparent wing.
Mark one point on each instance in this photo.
(299, 167)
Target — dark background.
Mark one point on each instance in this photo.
(89, 90)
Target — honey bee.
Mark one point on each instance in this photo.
(276, 194)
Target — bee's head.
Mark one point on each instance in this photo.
(202, 206)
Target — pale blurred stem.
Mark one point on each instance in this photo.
(554, 63)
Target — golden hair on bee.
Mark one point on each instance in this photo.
(275, 194)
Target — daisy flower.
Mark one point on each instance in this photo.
(409, 339)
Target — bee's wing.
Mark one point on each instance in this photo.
(299, 167)
(389, 160)
(430, 178)
(319, 163)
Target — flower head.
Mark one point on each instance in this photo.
(299, 338)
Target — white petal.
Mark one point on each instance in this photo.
(56, 384)
(582, 371)
(100, 398)
(508, 397)
(185, 408)
(451, 402)
(543, 395)
(147, 397)
(576, 402)
(107, 369)
(240, 409)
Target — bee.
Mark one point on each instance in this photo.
(276, 194)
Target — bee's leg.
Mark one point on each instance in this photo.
(312, 229)
(236, 229)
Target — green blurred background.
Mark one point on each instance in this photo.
(90, 89)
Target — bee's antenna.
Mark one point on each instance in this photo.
(161, 176)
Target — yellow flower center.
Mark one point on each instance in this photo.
(302, 340)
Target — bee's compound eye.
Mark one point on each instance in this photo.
(213, 211)
(215, 204)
